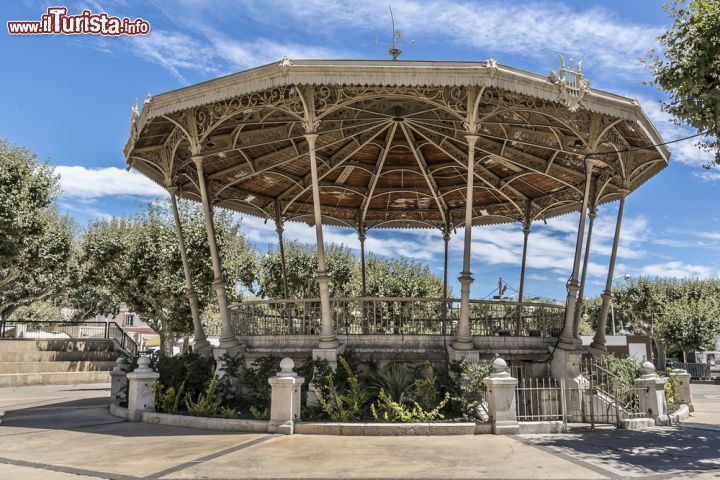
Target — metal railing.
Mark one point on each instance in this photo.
(69, 330)
(612, 398)
(700, 371)
(541, 399)
(397, 316)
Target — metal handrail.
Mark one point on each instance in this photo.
(396, 315)
(78, 330)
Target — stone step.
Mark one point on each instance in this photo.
(56, 378)
(38, 356)
(52, 367)
(56, 345)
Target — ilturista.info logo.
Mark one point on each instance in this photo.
(56, 21)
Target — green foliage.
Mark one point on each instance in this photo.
(35, 241)
(254, 382)
(346, 406)
(229, 389)
(425, 389)
(136, 261)
(189, 370)
(388, 410)
(681, 314)
(395, 380)
(41, 311)
(671, 387)
(691, 325)
(688, 68)
(206, 405)
(625, 369)
(301, 268)
(471, 388)
(260, 414)
(167, 399)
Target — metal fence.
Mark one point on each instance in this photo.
(397, 316)
(596, 398)
(70, 330)
(700, 371)
(541, 399)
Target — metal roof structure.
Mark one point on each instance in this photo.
(391, 142)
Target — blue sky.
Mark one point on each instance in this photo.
(69, 97)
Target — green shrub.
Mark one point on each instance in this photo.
(671, 391)
(388, 410)
(229, 389)
(167, 399)
(254, 382)
(346, 406)
(471, 388)
(425, 389)
(190, 369)
(206, 405)
(395, 380)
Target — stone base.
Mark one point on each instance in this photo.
(506, 428)
(454, 355)
(203, 348)
(330, 355)
(284, 428)
(597, 352)
(566, 364)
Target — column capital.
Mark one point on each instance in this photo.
(466, 277)
(279, 228)
(361, 236)
(197, 159)
(311, 138)
(471, 138)
(623, 192)
(526, 228)
(219, 283)
(591, 162)
(172, 189)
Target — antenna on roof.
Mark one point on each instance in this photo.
(394, 50)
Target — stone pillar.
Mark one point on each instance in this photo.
(201, 344)
(328, 339)
(500, 396)
(118, 380)
(682, 389)
(463, 338)
(228, 341)
(141, 389)
(581, 294)
(652, 392)
(598, 343)
(285, 398)
(567, 339)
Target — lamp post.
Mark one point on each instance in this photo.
(626, 277)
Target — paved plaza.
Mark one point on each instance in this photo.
(65, 432)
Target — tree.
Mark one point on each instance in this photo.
(35, 241)
(690, 324)
(44, 268)
(136, 261)
(399, 277)
(689, 67)
(301, 269)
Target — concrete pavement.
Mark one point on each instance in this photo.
(63, 433)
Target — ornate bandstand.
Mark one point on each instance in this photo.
(372, 145)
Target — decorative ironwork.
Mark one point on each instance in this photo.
(573, 87)
(396, 316)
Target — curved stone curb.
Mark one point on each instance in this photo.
(117, 411)
(206, 423)
(682, 413)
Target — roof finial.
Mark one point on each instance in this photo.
(394, 50)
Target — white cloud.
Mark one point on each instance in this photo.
(82, 182)
(675, 269)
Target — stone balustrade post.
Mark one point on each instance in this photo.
(652, 392)
(285, 398)
(118, 379)
(501, 388)
(682, 389)
(141, 389)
